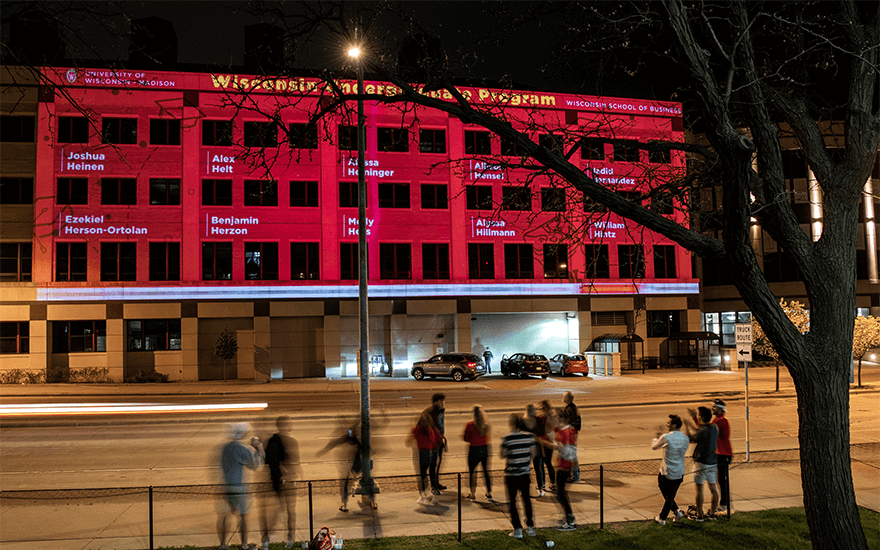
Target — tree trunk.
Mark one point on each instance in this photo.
(826, 468)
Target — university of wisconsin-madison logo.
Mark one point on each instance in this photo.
(71, 76)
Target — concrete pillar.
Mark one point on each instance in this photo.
(189, 344)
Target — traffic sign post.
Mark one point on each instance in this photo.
(743, 335)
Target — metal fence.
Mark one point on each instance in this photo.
(149, 517)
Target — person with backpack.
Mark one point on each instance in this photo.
(574, 419)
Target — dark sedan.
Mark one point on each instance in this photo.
(524, 365)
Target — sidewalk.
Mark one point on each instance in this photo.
(119, 519)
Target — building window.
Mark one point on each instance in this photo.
(260, 134)
(304, 261)
(217, 261)
(303, 136)
(434, 196)
(260, 193)
(154, 335)
(632, 196)
(598, 263)
(510, 148)
(393, 140)
(119, 191)
(519, 261)
(17, 129)
(216, 192)
(664, 262)
(608, 318)
(217, 132)
(660, 157)
(432, 141)
(348, 261)
(165, 261)
(555, 261)
(73, 129)
(261, 261)
(479, 197)
(553, 199)
(395, 261)
(663, 324)
(514, 197)
(348, 138)
(165, 191)
(435, 260)
(15, 262)
(348, 194)
(477, 142)
(120, 131)
(79, 336)
(164, 131)
(593, 206)
(16, 191)
(71, 262)
(626, 150)
(481, 261)
(72, 191)
(631, 258)
(550, 141)
(303, 193)
(592, 149)
(393, 195)
(118, 261)
(15, 337)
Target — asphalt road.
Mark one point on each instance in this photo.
(620, 416)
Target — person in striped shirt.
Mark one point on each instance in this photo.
(519, 449)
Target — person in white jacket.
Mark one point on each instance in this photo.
(674, 445)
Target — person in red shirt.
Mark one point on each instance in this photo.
(566, 442)
(476, 433)
(724, 452)
(427, 438)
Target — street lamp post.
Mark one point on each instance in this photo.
(367, 486)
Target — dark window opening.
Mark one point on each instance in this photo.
(348, 194)
(592, 149)
(260, 134)
(660, 157)
(395, 261)
(217, 132)
(79, 336)
(519, 261)
(71, 262)
(479, 197)
(304, 261)
(16, 260)
(348, 138)
(260, 193)
(154, 335)
(17, 129)
(510, 148)
(303, 193)
(261, 261)
(120, 131)
(216, 192)
(592, 205)
(119, 191)
(626, 151)
(434, 196)
(432, 141)
(664, 262)
(303, 136)
(393, 195)
(477, 142)
(553, 199)
(165, 191)
(598, 264)
(435, 260)
(165, 261)
(15, 337)
(516, 198)
(73, 129)
(217, 261)
(394, 140)
(481, 261)
(555, 261)
(631, 260)
(348, 261)
(118, 261)
(663, 324)
(164, 131)
(16, 191)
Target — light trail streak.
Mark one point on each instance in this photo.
(92, 409)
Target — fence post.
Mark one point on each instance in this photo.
(459, 506)
(151, 517)
(311, 515)
(601, 496)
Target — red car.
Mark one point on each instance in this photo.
(565, 364)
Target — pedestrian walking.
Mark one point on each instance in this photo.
(574, 419)
(438, 415)
(550, 420)
(487, 358)
(235, 456)
(705, 435)
(351, 445)
(566, 456)
(674, 445)
(282, 458)
(518, 447)
(535, 426)
(476, 433)
(426, 437)
(724, 453)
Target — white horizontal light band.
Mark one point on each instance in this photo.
(77, 409)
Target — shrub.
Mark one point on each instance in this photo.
(57, 373)
(90, 375)
(142, 377)
(21, 376)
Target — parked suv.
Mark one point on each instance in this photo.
(525, 364)
(459, 366)
(565, 364)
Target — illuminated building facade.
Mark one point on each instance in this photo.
(145, 212)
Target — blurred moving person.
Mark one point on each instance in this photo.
(437, 410)
(519, 448)
(550, 420)
(282, 458)
(234, 457)
(566, 455)
(476, 433)
(426, 437)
